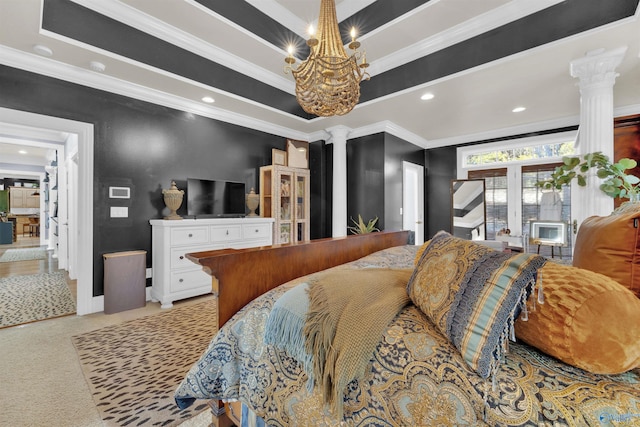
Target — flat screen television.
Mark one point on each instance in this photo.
(214, 198)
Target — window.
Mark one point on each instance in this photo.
(495, 182)
(501, 156)
(510, 170)
(532, 198)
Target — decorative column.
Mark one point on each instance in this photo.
(339, 194)
(596, 74)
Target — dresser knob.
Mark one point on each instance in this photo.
(190, 235)
(227, 232)
(181, 257)
(257, 230)
(181, 280)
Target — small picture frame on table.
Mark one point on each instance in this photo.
(278, 157)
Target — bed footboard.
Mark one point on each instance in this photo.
(241, 275)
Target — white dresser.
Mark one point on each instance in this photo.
(174, 276)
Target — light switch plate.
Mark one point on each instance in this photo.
(119, 211)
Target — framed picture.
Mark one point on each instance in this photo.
(298, 154)
(552, 233)
(278, 157)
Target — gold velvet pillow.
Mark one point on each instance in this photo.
(588, 320)
(610, 245)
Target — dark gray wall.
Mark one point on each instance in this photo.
(441, 169)
(374, 176)
(143, 146)
(365, 179)
(396, 151)
(321, 183)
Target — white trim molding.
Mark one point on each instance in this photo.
(85, 302)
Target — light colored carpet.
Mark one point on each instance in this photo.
(25, 299)
(134, 368)
(24, 254)
(203, 419)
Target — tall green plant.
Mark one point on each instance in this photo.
(616, 182)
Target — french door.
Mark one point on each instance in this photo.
(513, 200)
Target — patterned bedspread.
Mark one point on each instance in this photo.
(416, 378)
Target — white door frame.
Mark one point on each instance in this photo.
(72, 204)
(413, 200)
(86, 303)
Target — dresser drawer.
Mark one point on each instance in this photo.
(225, 233)
(189, 279)
(189, 236)
(180, 260)
(256, 231)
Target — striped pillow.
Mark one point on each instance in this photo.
(473, 294)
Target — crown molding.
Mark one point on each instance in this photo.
(45, 66)
(392, 129)
(505, 132)
(48, 67)
(130, 16)
(163, 31)
(498, 17)
(628, 110)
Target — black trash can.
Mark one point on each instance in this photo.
(124, 281)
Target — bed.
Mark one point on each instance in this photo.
(417, 375)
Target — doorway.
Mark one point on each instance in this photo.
(413, 200)
(83, 237)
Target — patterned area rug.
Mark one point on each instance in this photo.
(24, 254)
(25, 299)
(134, 368)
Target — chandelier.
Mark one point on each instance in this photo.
(328, 81)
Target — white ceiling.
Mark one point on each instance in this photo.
(24, 151)
(471, 105)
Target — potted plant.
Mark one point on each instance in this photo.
(616, 182)
(362, 228)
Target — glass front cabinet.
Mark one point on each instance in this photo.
(284, 196)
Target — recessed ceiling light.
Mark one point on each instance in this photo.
(42, 50)
(518, 109)
(97, 66)
(22, 152)
(427, 96)
(208, 100)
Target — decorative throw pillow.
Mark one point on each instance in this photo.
(610, 245)
(472, 293)
(588, 320)
(420, 251)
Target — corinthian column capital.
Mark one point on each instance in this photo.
(598, 67)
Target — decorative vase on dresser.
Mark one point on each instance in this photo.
(173, 199)
(253, 201)
(174, 276)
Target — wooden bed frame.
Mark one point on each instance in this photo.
(241, 275)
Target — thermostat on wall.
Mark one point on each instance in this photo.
(119, 192)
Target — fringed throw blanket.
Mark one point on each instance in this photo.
(333, 323)
(348, 313)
